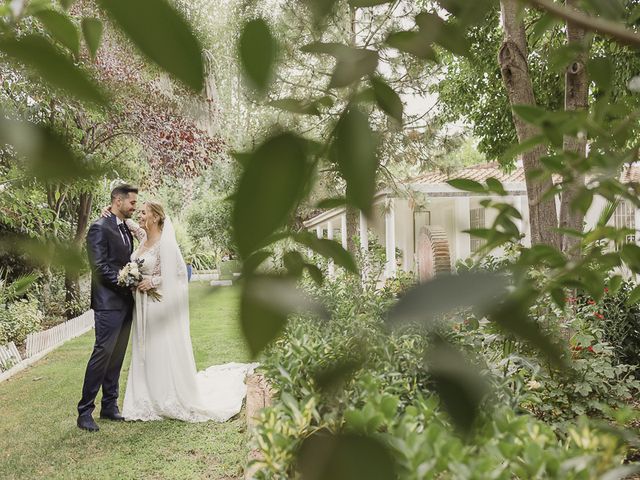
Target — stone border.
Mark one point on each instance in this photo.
(259, 396)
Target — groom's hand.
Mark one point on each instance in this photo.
(145, 285)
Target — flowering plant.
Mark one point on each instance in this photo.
(130, 276)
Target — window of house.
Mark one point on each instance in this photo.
(476, 220)
(625, 217)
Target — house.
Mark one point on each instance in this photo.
(425, 224)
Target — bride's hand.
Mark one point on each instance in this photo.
(106, 212)
(145, 285)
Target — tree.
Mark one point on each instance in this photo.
(515, 72)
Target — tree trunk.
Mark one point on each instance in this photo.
(71, 279)
(515, 74)
(353, 223)
(576, 98)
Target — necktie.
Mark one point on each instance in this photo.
(125, 235)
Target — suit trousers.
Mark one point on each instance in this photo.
(103, 370)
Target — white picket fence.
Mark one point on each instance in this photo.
(9, 356)
(49, 339)
(41, 343)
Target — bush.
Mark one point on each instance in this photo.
(619, 321)
(19, 319)
(530, 427)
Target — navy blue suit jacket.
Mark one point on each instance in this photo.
(107, 255)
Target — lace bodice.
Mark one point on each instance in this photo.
(151, 264)
(151, 256)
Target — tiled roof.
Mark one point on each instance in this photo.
(481, 172)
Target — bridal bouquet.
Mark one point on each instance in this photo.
(130, 277)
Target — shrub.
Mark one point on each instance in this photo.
(530, 427)
(619, 321)
(18, 319)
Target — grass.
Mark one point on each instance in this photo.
(39, 437)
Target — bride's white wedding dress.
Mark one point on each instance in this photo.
(163, 381)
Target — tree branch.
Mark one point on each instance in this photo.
(588, 22)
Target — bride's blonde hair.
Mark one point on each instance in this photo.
(157, 210)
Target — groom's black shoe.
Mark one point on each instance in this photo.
(112, 415)
(86, 422)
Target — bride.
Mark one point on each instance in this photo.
(163, 381)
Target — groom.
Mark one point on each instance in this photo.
(109, 245)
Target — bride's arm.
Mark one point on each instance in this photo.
(137, 230)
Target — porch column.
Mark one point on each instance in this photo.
(343, 230)
(462, 217)
(319, 231)
(364, 233)
(390, 239)
(330, 237)
(636, 225)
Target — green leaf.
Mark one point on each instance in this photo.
(258, 50)
(32, 7)
(254, 261)
(55, 68)
(615, 282)
(467, 185)
(352, 66)
(320, 9)
(634, 296)
(163, 35)
(295, 105)
(529, 113)
(324, 456)
(520, 148)
(583, 200)
(466, 12)
(618, 473)
(330, 203)
(601, 71)
(446, 34)
(388, 100)
(264, 306)
(336, 373)
(495, 185)
(367, 3)
(61, 28)
(611, 9)
(315, 273)
(47, 253)
(47, 155)
(414, 43)
(457, 382)
(631, 256)
(512, 316)
(354, 150)
(294, 263)
(329, 249)
(272, 184)
(634, 16)
(92, 31)
(66, 3)
(20, 286)
(424, 302)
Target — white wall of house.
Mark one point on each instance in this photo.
(393, 224)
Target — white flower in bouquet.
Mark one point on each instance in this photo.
(130, 276)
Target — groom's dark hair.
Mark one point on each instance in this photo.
(122, 191)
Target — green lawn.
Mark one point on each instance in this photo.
(39, 437)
